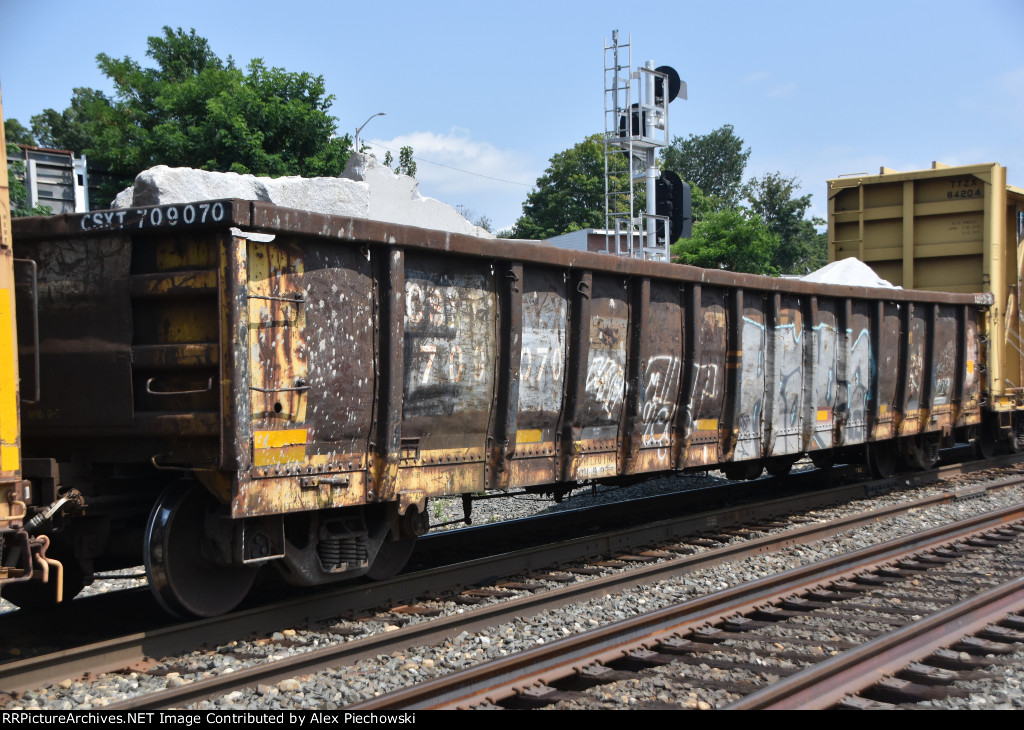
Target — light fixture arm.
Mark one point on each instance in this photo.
(360, 129)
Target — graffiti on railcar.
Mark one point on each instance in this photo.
(542, 363)
(708, 389)
(945, 366)
(825, 338)
(971, 381)
(661, 380)
(605, 384)
(858, 386)
(750, 399)
(947, 338)
(915, 362)
(449, 343)
(789, 372)
(709, 373)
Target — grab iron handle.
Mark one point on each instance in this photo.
(149, 389)
(298, 297)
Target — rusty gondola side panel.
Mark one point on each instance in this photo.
(968, 397)
(658, 380)
(502, 428)
(787, 373)
(450, 351)
(708, 320)
(824, 353)
(86, 326)
(540, 380)
(580, 288)
(887, 344)
(604, 386)
(389, 335)
(311, 324)
(748, 365)
(857, 377)
(914, 328)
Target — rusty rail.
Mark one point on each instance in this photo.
(823, 685)
(502, 678)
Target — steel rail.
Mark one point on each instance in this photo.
(496, 680)
(126, 651)
(482, 618)
(823, 685)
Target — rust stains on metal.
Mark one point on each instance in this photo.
(348, 362)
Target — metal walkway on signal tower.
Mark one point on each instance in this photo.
(635, 126)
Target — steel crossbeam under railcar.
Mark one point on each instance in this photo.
(297, 363)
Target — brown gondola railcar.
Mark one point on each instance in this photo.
(230, 384)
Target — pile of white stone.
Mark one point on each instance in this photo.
(366, 189)
(849, 272)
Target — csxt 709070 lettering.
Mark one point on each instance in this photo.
(230, 384)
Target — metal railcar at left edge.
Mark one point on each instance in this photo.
(20, 552)
(229, 386)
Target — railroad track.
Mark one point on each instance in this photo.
(760, 630)
(424, 632)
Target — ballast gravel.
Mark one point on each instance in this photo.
(658, 688)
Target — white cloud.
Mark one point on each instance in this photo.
(455, 162)
(784, 91)
(458, 170)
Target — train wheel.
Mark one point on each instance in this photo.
(985, 441)
(38, 595)
(182, 574)
(823, 459)
(393, 554)
(921, 451)
(744, 471)
(1015, 440)
(779, 467)
(881, 458)
(391, 558)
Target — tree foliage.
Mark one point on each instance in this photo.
(774, 198)
(714, 162)
(71, 128)
(17, 192)
(758, 228)
(194, 109)
(406, 164)
(569, 196)
(16, 133)
(732, 239)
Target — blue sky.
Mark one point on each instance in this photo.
(816, 89)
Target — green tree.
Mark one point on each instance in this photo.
(732, 239)
(406, 164)
(16, 189)
(69, 129)
(773, 198)
(195, 110)
(714, 162)
(17, 133)
(569, 196)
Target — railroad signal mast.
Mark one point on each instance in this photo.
(635, 127)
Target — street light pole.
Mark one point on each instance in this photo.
(360, 129)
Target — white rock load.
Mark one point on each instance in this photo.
(366, 189)
(850, 272)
